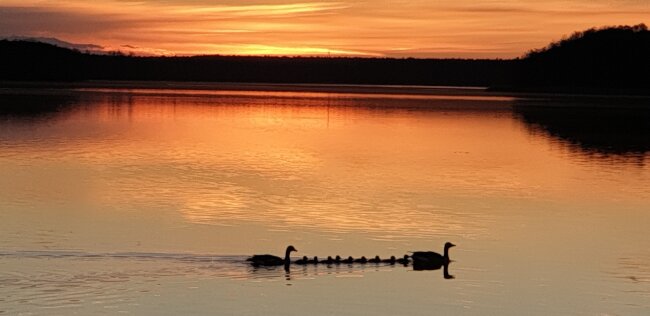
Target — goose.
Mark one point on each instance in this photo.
(348, 260)
(405, 260)
(302, 261)
(329, 260)
(337, 259)
(376, 259)
(361, 260)
(391, 260)
(315, 261)
(432, 258)
(271, 260)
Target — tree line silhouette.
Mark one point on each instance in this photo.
(607, 60)
(34, 61)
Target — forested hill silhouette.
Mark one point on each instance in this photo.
(611, 60)
(29, 60)
(33, 61)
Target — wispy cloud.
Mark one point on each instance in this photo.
(444, 28)
(264, 10)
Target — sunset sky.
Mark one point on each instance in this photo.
(429, 28)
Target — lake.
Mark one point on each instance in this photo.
(147, 201)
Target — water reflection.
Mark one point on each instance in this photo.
(231, 158)
(421, 266)
(609, 128)
(33, 107)
(134, 181)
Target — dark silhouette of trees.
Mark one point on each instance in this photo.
(611, 60)
(28, 60)
(605, 60)
(31, 61)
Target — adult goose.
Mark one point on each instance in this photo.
(271, 260)
(432, 258)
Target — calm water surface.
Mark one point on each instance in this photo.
(148, 201)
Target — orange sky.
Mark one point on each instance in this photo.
(430, 28)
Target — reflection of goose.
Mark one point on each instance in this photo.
(271, 260)
(391, 260)
(405, 260)
(426, 266)
(432, 258)
(374, 260)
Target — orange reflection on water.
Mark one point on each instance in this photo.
(390, 168)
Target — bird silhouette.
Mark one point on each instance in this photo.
(404, 260)
(391, 260)
(302, 261)
(432, 258)
(329, 260)
(271, 260)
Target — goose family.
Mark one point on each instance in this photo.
(422, 260)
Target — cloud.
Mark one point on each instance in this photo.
(54, 41)
(494, 28)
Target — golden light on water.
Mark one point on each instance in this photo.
(304, 161)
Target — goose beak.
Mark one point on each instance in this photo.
(452, 245)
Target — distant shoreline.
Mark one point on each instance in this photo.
(124, 86)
